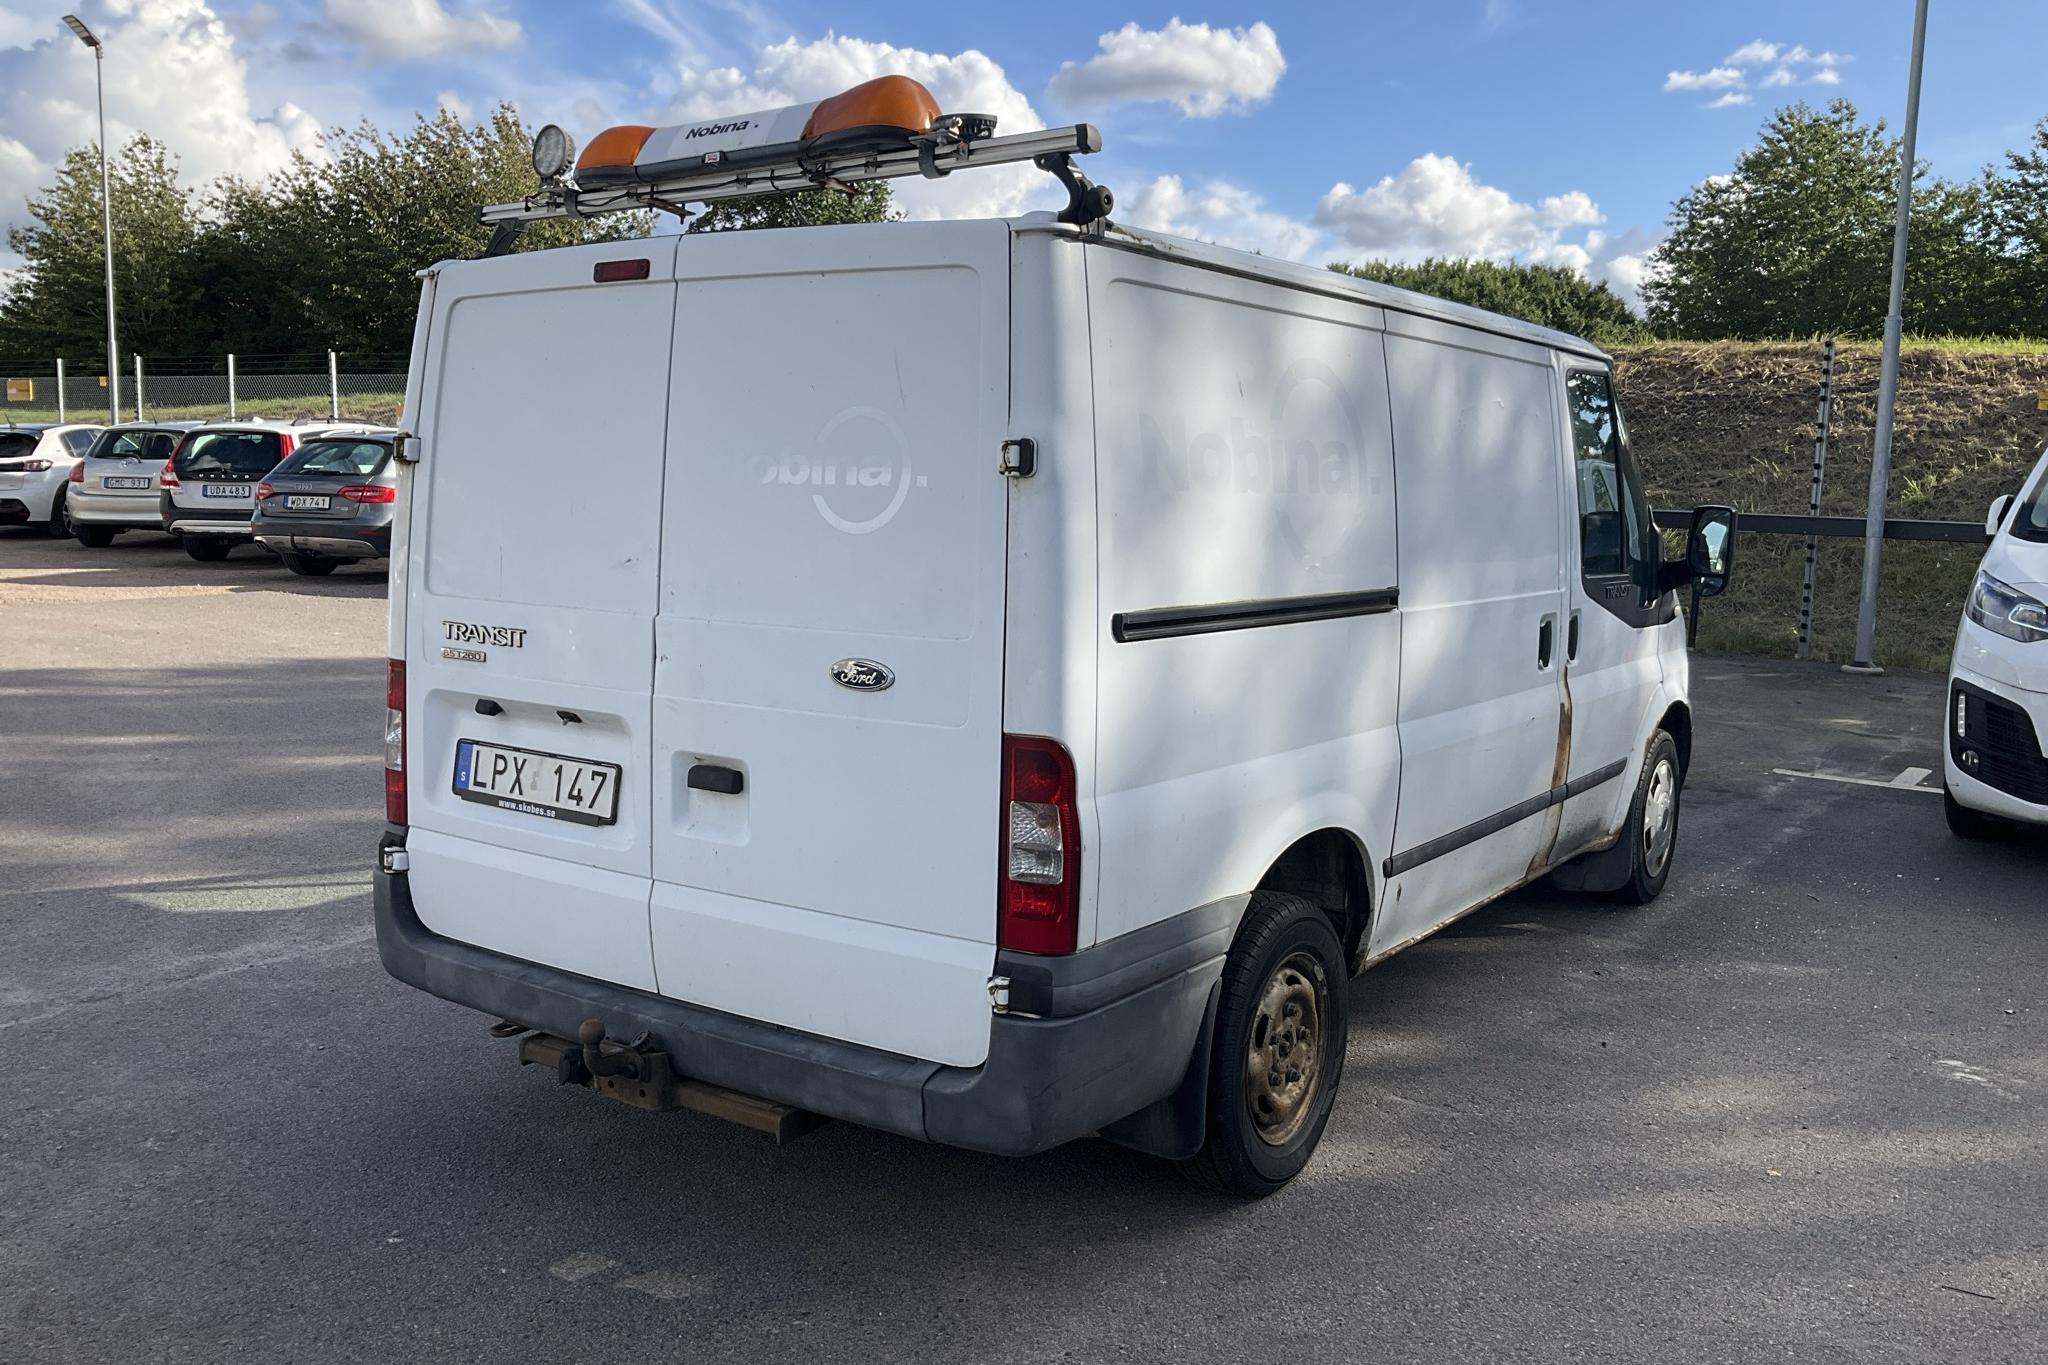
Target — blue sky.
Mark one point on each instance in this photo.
(1528, 129)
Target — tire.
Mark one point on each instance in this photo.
(208, 549)
(1285, 971)
(1965, 823)
(94, 537)
(306, 566)
(1652, 830)
(59, 524)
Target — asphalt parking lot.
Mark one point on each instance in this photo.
(1792, 1111)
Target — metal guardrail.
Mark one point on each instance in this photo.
(1849, 528)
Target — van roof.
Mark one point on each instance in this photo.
(1325, 281)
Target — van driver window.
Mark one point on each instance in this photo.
(1604, 503)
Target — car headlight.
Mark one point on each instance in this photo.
(2005, 610)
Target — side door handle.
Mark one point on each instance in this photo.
(1546, 641)
(716, 777)
(1571, 638)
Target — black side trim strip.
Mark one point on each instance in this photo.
(1162, 623)
(1500, 820)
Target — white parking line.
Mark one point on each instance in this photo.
(1907, 781)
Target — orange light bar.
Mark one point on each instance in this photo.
(885, 102)
(615, 146)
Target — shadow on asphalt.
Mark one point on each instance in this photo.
(145, 560)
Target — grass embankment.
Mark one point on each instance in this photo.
(1735, 422)
(381, 408)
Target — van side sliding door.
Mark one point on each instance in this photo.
(1483, 734)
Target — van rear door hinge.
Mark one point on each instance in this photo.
(1020, 458)
(999, 994)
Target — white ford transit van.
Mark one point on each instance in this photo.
(996, 681)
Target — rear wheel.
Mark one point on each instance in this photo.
(208, 549)
(306, 566)
(1652, 829)
(1965, 823)
(1279, 1048)
(94, 537)
(59, 523)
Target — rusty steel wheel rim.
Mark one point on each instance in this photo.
(1284, 1050)
(1660, 816)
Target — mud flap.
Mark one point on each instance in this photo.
(1606, 870)
(1174, 1127)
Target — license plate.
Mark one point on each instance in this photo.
(552, 786)
(120, 481)
(225, 490)
(307, 502)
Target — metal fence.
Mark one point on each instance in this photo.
(330, 383)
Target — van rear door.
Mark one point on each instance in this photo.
(536, 525)
(829, 644)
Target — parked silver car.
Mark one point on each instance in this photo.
(114, 488)
(329, 501)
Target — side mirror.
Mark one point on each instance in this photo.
(1710, 549)
(2000, 505)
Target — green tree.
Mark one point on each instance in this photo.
(1797, 240)
(868, 203)
(56, 304)
(2019, 219)
(1550, 296)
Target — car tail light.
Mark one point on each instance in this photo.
(167, 477)
(77, 474)
(38, 466)
(263, 490)
(285, 446)
(369, 492)
(1041, 848)
(394, 742)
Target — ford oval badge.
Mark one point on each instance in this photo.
(862, 675)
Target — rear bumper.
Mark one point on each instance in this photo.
(331, 539)
(32, 498)
(1133, 1036)
(125, 511)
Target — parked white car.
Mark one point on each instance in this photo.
(35, 462)
(1993, 764)
(1003, 686)
(207, 490)
(114, 487)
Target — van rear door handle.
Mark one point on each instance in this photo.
(716, 777)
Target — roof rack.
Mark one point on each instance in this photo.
(880, 130)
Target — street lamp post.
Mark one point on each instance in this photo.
(99, 58)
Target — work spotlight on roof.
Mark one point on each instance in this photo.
(878, 130)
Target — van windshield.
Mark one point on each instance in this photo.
(339, 459)
(140, 445)
(240, 453)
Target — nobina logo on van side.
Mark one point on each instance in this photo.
(503, 637)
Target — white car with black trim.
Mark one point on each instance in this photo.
(36, 460)
(114, 487)
(1994, 765)
(207, 489)
(1000, 691)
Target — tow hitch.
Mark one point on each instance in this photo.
(639, 1074)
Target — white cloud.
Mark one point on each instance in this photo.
(1729, 100)
(1714, 78)
(1756, 53)
(411, 30)
(454, 104)
(1434, 207)
(195, 100)
(19, 30)
(1781, 76)
(1573, 208)
(1218, 212)
(793, 72)
(1827, 75)
(1201, 71)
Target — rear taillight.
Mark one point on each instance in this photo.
(394, 742)
(38, 466)
(285, 446)
(369, 492)
(167, 477)
(77, 474)
(1041, 848)
(263, 490)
